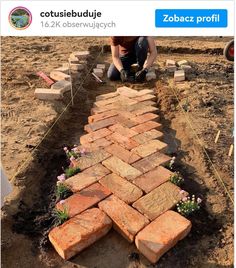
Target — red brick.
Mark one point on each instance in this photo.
(122, 188)
(122, 153)
(146, 126)
(100, 124)
(107, 96)
(128, 92)
(91, 159)
(146, 97)
(145, 117)
(121, 168)
(145, 110)
(126, 220)
(101, 116)
(97, 144)
(150, 147)
(102, 103)
(101, 133)
(145, 91)
(124, 131)
(159, 200)
(154, 160)
(87, 177)
(162, 234)
(126, 122)
(80, 232)
(127, 143)
(48, 94)
(84, 199)
(149, 103)
(152, 179)
(147, 136)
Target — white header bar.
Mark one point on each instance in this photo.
(113, 18)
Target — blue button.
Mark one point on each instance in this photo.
(191, 18)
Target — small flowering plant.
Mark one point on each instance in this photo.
(170, 165)
(71, 171)
(177, 179)
(62, 190)
(188, 205)
(60, 215)
(74, 153)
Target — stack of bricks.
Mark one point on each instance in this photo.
(99, 70)
(179, 69)
(62, 76)
(124, 182)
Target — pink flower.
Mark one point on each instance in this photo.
(199, 200)
(74, 149)
(75, 145)
(184, 199)
(65, 149)
(72, 158)
(182, 192)
(62, 177)
(62, 202)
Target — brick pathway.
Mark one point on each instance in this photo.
(123, 182)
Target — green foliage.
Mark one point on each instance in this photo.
(60, 216)
(62, 191)
(188, 205)
(72, 171)
(177, 179)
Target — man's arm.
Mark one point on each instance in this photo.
(153, 53)
(116, 57)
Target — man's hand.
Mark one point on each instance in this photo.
(123, 75)
(141, 75)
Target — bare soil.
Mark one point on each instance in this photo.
(32, 160)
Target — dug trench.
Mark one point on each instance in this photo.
(210, 243)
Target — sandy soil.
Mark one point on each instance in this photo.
(207, 96)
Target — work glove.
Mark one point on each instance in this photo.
(123, 75)
(141, 75)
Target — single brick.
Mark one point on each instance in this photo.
(62, 85)
(170, 63)
(149, 103)
(126, 91)
(80, 232)
(121, 168)
(63, 69)
(145, 110)
(86, 198)
(73, 60)
(151, 76)
(101, 133)
(87, 177)
(92, 159)
(145, 91)
(123, 130)
(150, 147)
(122, 153)
(56, 75)
(102, 103)
(186, 68)
(147, 136)
(162, 234)
(126, 122)
(126, 220)
(101, 66)
(152, 179)
(77, 66)
(97, 144)
(182, 62)
(82, 55)
(48, 94)
(146, 126)
(159, 200)
(171, 69)
(146, 97)
(98, 72)
(127, 143)
(101, 116)
(145, 117)
(122, 188)
(154, 160)
(179, 76)
(107, 96)
(100, 124)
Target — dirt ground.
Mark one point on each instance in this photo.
(32, 160)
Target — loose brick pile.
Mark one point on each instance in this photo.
(123, 182)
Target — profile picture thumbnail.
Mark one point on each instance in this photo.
(20, 18)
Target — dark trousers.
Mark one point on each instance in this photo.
(138, 56)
